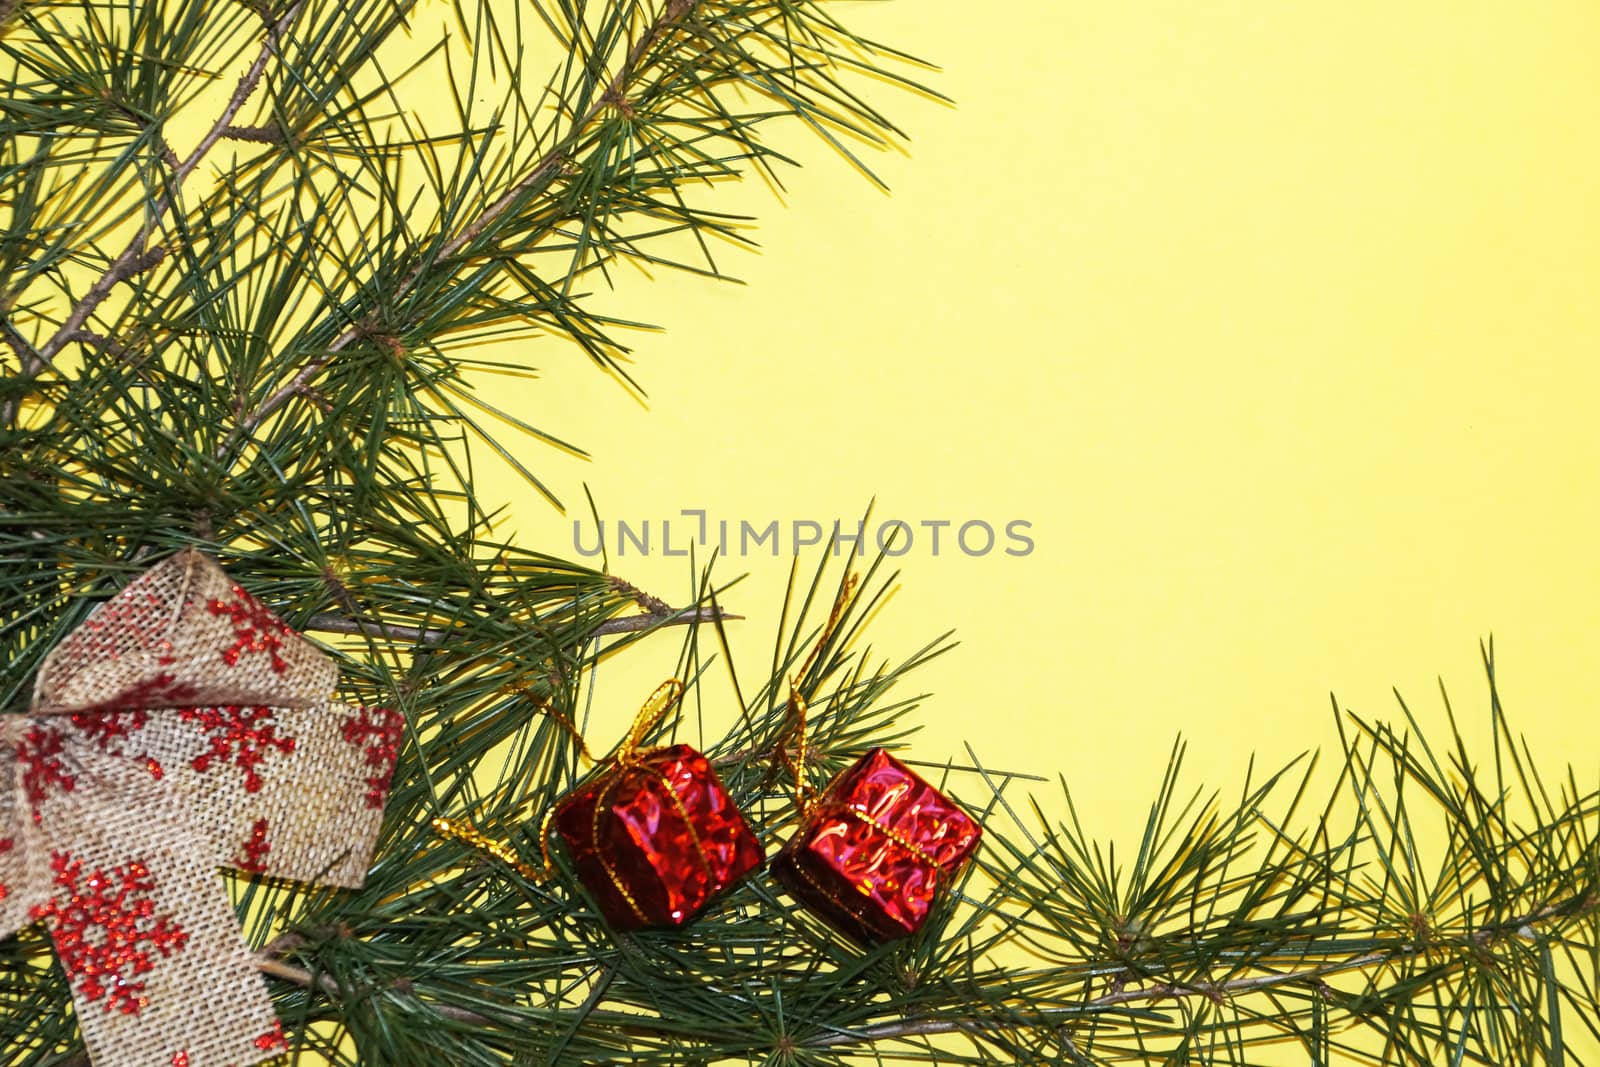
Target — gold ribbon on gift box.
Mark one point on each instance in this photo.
(626, 756)
(181, 728)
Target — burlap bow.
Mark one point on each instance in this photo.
(181, 728)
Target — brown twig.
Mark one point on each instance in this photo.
(29, 365)
(632, 624)
(255, 134)
(27, 356)
(298, 976)
(168, 156)
(344, 624)
(103, 343)
(547, 167)
(303, 978)
(652, 604)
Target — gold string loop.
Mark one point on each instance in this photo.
(548, 709)
(457, 830)
(805, 795)
(666, 696)
(626, 754)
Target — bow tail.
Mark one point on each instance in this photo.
(144, 929)
(22, 885)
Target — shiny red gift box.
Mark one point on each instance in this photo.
(654, 839)
(872, 853)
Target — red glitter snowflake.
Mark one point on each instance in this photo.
(161, 690)
(241, 736)
(180, 1058)
(255, 629)
(6, 845)
(379, 731)
(256, 848)
(42, 770)
(127, 619)
(106, 728)
(272, 1039)
(105, 930)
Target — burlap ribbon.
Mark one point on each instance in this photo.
(181, 728)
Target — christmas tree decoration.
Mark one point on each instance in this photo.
(181, 728)
(873, 852)
(654, 836)
(466, 833)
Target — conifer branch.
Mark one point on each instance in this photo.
(539, 175)
(1217, 992)
(135, 258)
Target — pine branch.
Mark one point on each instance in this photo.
(136, 258)
(537, 177)
(1523, 926)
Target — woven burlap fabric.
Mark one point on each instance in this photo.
(161, 641)
(115, 814)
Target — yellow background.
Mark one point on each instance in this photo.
(1273, 319)
(1276, 320)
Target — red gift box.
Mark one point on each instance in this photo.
(655, 838)
(872, 853)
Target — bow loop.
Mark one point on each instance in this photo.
(183, 633)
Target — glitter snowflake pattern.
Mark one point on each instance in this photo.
(106, 931)
(238, 735)
(160, 691)
(43, 772)
(273, 1040)
(379, 731)
(6, 845)
(256, 848)
(125, 622)
(109, 728)
(255, 629)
